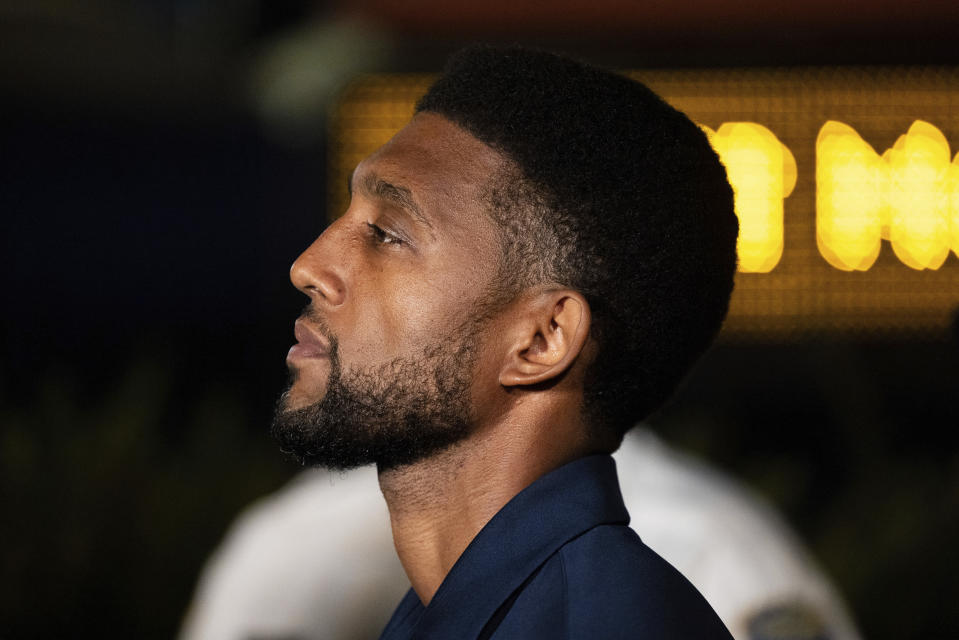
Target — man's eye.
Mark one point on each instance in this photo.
(381, 236)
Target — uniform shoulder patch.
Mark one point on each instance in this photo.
(788, 621)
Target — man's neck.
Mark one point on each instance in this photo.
(437, 506)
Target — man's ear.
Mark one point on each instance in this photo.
(547, 337)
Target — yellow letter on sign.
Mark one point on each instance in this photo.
(762, 172)
(918, 196)
(849, 185)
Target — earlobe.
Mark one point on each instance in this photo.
(549, 337)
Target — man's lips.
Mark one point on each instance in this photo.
(309, 344)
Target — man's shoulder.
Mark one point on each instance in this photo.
(607, 583)
(610, 571)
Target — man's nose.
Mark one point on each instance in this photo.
(314, 272)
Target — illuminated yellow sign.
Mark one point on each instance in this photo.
(762, 172)
(906, 196)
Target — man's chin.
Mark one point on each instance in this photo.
(392, 415)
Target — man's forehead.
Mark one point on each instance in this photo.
(431, 168)
(437, 170)
(432, 147)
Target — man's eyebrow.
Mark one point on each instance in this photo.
(398, 195)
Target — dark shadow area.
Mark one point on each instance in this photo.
(143, 341)
(855, 441)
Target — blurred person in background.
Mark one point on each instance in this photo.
(315, 561)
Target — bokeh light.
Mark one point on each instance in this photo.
(762, 172)
(848, 198)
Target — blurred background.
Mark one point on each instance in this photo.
(164, 162)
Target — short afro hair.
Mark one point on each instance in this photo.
(611, 192)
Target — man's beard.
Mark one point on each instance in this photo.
(392, 415)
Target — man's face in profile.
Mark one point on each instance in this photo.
(388, 348)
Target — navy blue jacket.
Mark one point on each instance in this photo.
(559, 561)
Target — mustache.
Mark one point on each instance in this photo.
(311, 315)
